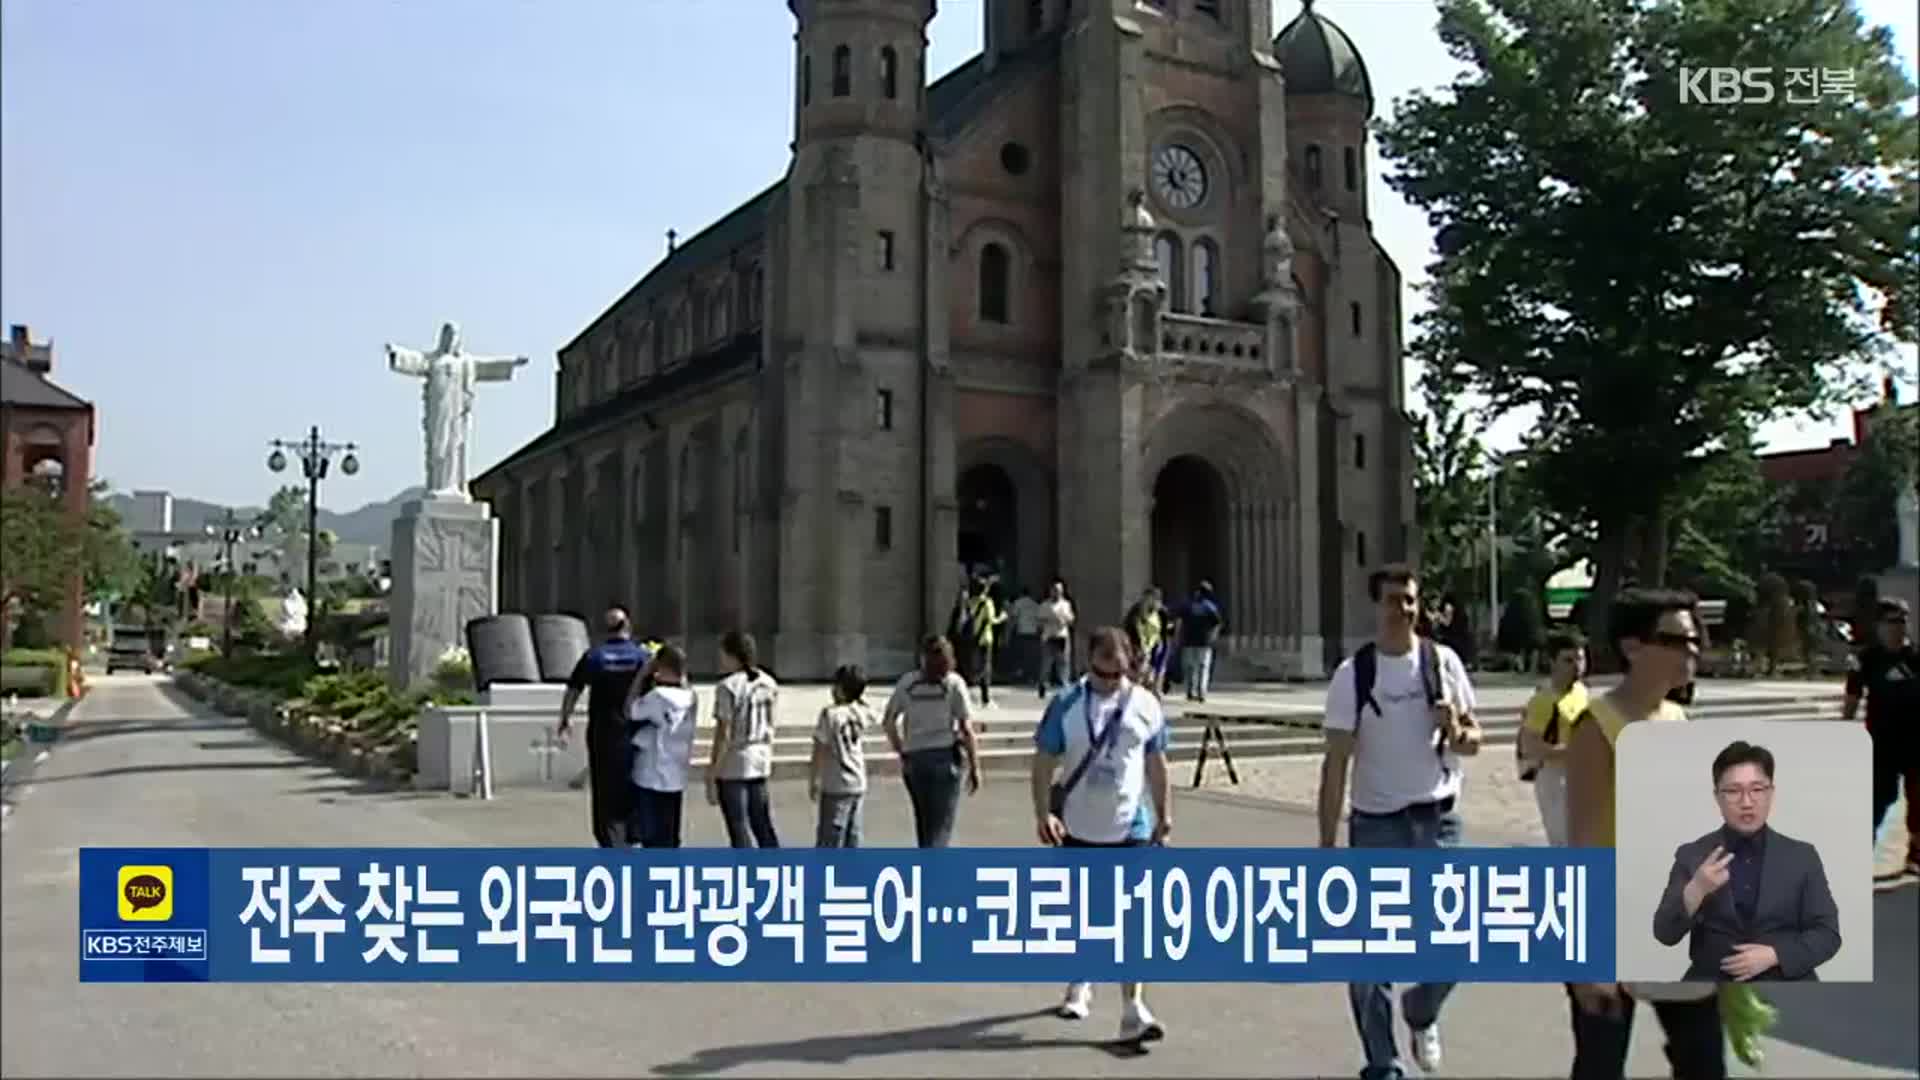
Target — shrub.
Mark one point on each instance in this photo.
(53, 662)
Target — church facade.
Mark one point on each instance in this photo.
(1103, 305)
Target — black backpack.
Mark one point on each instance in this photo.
(1366, 668)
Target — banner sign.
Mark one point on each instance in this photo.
(840, 915)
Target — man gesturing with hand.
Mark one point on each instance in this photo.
(1735, 929)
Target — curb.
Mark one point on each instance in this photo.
(316, 741)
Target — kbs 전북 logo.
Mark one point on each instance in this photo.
(146, 893)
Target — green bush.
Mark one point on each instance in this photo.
(284, 674)
(53, 660)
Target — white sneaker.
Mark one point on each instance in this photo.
(1078, 1003)
(1426, 1047)
(1137, 1024)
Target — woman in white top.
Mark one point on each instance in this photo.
(660, 725)
(745, 705)
(938, 746)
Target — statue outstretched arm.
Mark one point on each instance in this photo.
(495, 368)
(406, 361)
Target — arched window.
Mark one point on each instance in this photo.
(1351, 161)
(1166, 252)
(1206, 274)
(1313, 167)
(1353, 317)
(842, 71)
(889, 72)
(806, 80)
(717, 315)
(995, 269)
(1036, 16)
(757, 303)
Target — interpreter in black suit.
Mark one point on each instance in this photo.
(1752, 902)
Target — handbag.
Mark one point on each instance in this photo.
(1057, 794)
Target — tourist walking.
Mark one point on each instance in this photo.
(838, 777)
(662, 716)
(605, 673)
(979, 625)
(1546, 726)
(1026, 636)
(929, 724)
(745, 706)
(1887, 675)
(1147, 624)
(1056, 640)
(1655, 635)
(1200, 624)
(1400, 711)
(1100, 780)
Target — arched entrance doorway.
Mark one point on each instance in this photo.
(989, 520)
(1189, 527)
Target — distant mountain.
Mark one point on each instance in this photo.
(371, 524)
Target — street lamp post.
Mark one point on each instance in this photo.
(316, 455)
(230, 530)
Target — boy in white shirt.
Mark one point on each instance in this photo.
(661, 726)
(839, 777)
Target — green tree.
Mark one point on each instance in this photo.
(1655, 276)
(1863, 508)
(110, 562)
(41, 548)
(1775, 620)
(1727, 523)
(1449, 490)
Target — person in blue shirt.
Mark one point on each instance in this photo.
(1107, 739)
(1200, 623)
(605, 674)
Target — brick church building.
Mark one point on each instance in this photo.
(46, 439)
(1102, 304)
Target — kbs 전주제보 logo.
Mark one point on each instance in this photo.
(146, 893)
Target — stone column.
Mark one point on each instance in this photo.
(1246, 587)
(1258, 617)
(1273, 525)
(1310, 657)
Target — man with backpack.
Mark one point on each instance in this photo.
(1401, 712)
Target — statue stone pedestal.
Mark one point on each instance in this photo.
(446, 569)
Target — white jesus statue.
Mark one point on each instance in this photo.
(449, 375)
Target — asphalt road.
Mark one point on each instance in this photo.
(141, 766)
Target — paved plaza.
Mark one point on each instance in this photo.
(142, 765)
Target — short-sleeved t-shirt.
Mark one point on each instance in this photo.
(606, 673)
(1394, 761)
(748, 705)
(1890, 680)
(662, 725)
(842, 729)
(1551, 714)
(1109, 804)
(931, 713)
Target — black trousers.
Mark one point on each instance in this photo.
(1696, 1045)
(656, 818)
(607, 756)
(749, 817)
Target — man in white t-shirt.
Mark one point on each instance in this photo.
(1026, 635)
(1401, 712)
(1116, 792)
(1056, 639)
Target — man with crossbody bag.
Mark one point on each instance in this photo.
(1116, 794)
(1400, 711)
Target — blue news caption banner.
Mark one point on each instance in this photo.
(824, 915)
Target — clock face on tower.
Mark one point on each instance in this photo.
(1179, 177)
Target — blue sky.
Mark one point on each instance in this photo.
(220, 209)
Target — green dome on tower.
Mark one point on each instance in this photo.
(1317, 57)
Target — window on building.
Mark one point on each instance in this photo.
(1166, 252)
(758, 300)
(1205, 274)
(996, 267)
(1313, 167)
(1036, 16)
(1351, 166)
(886, 249)
(806, 80)
(883, 409)
(1353, 316)
(1359, 451)
(842, 71)
(742, 487)
(889, 72)
(717, 315)
(1210, 8)
(1360, 547)
(883, 528)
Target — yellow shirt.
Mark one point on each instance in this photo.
(1546, 704)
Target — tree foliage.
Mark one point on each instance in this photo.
(1884, 465)
(1449, 490)
(1654, 276)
